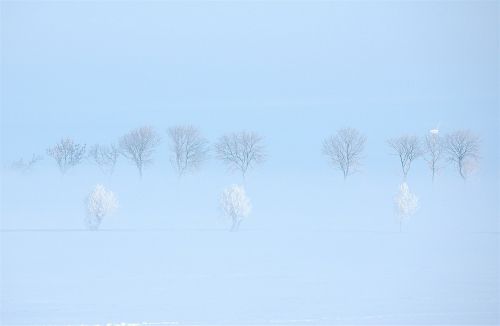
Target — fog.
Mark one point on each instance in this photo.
(315, 249)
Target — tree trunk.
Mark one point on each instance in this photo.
(460, 169)
(93, 221)
(236, 225)
(243, 175)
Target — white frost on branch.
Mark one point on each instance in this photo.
(100, 202)
(406, 203)
(235, 204)
(67, 154)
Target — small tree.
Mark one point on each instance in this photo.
(26, 166)
(235, 205)
(462, 147)
(433, 152)
(344, 150)
(408, 149)
(105, 157)
(67, 154)
(99, 203)
(240, 151)
(139, 145)
(406, 204)
(188, 148)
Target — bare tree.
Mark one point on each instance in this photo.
(139, 145)
(188, 148)
(235, 205)
(240, 151)
(67, 154)
(26, 166)
(462, 147)
(408, 149)
(344, 150)
(406, 203)
(105, 157)
(433, 151)
(99, 203)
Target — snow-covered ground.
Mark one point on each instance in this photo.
(315, 250)
(252, 276)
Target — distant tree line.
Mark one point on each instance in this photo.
(242, 151)
(188, 150)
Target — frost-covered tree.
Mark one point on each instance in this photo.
(139, 145)
(99, 203)
(188, 148)
(433, 151)
(235, 204)
(67, 154)
(105, 157)
(344, 150)
(406, 203)
(408, 149)
(462, 147)
(240, 151)
(26, 166)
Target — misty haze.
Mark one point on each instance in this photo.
(249, 163)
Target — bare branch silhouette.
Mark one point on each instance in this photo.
(139, 145)
(240, 151)
(26, 166)
(67, 154)
(188, 149)
(462, 147)
(408, 149)
(344, 150)
(433, 152)
(105, 157)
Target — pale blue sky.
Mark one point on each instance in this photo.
(293, 71)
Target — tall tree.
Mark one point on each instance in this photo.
(139, 145)
(188, 148)
(67, 154)
(344, 150)
(240, 151)
(462, 147)
(105, 157)
(408, 149)
(433, 151)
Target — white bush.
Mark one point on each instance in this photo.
(406, 203)
(100, 202)
(235, 205)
